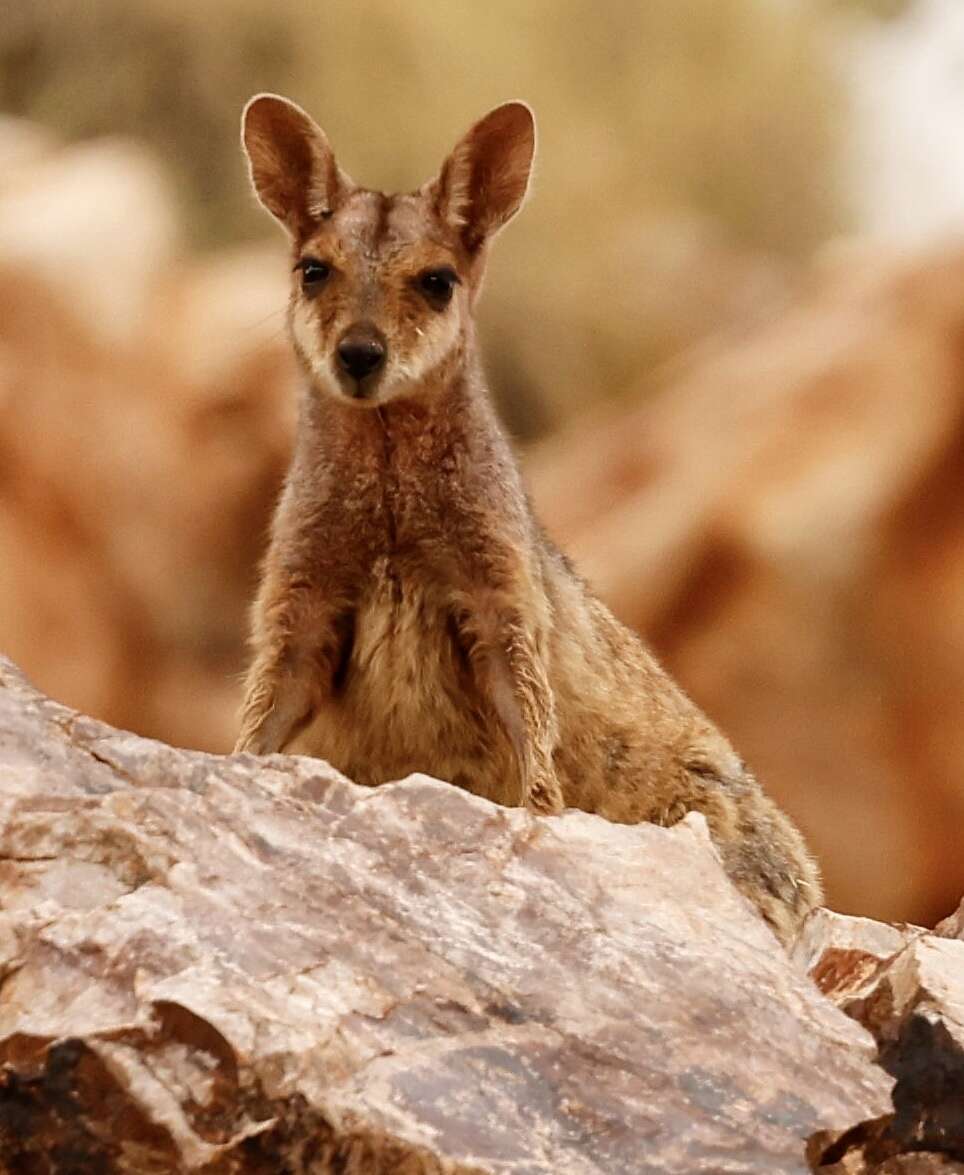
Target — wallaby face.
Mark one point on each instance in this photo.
(412, 615)
(383, 286)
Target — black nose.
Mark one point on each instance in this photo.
(360, 356)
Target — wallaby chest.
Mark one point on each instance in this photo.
(406, 698)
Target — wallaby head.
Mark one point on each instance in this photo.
(384, 285)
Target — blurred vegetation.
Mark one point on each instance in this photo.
(881, 9)
(688, 148)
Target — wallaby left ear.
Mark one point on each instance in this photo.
(483, 182)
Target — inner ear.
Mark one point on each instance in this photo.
(484, 181)
(293, 168)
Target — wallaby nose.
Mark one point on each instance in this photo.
(361, 351)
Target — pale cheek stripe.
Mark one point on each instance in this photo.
(306, 336)
(435, 345)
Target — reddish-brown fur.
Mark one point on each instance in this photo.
(412, 616)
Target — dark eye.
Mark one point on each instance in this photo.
(313, 272)
(437, 284)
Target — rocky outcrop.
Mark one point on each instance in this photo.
(784, 523)
(907, 988)
(232, 965)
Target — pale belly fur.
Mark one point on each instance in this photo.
(407, 701)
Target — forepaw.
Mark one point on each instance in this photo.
(251, 744)
(544, 796)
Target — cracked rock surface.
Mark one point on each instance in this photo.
(231, 965)
(906, 987)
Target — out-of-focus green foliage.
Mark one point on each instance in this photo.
(669, 130)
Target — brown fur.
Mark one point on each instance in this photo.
(412, 616)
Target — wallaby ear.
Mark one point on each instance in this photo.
(293, 169)
(483, 182)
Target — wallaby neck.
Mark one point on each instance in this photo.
(422, 427)
(416, 466)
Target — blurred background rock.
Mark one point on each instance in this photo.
(727, 332)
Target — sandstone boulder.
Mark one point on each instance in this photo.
(95, 223)
(147, 410)
(783, 522)
(232, 965)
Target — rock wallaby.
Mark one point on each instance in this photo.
(412, 616)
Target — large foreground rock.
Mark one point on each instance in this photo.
(227, 965)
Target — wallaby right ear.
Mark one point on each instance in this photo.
(293, 168)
